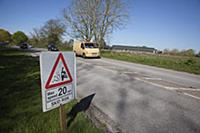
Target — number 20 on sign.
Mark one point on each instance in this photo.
(58, 78)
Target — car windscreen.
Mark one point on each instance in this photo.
(51, 46)
(24, 44)
(90, 45)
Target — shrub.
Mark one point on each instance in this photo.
(5, 36)
(190, 62)
(19, 37)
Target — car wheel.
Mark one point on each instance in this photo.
(84, 55)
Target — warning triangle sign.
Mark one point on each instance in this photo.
(59, 74)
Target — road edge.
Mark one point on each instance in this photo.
(102, 121)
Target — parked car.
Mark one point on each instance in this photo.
(3, 43)
(24, 46)
(52, 47)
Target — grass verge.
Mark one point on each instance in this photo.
(185, 64)
(20, 99)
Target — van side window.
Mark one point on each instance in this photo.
(82, 46)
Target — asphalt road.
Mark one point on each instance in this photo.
(142, 99)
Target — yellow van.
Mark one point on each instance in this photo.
(86, 49)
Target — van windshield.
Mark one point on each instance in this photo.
(90, 45)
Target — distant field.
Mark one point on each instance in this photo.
(20, 99)
(185, 64)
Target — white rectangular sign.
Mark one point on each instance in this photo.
(58, 78)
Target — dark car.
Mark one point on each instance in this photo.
(52, 47)
(3, 43)
(24, 46)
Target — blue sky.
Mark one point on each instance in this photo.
(155, 23)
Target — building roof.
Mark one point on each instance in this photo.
(133, 48)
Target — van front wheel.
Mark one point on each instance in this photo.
(84, 55)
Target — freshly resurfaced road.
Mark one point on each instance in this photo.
(142, 99)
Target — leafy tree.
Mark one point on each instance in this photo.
(190, 52)
(166, 51)
(174, 52)
(5, 36)
(19, 37)
(94, 19)
(53, 30)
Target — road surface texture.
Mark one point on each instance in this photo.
(140, 98)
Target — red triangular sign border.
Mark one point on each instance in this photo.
(48, 85)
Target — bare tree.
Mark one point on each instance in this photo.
(79, 19)
(94, 19)
(35, 36)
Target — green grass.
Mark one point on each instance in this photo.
(20, 99)
(185, 64)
